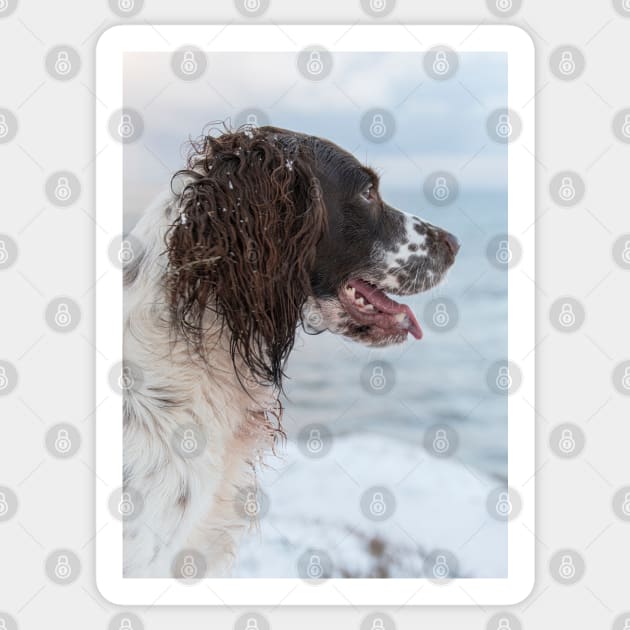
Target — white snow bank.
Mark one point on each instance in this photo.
(316, 504)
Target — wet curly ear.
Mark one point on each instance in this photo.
(243, 247)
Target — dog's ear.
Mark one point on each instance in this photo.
(243, 247)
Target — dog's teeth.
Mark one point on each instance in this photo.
(369, 307)
(360, 301)
(399, 317)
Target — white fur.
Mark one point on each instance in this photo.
(391, 282)
(188, 503)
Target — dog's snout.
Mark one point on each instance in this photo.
(451, 242)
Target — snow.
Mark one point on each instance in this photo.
(315, 504)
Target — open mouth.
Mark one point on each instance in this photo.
(370, 306)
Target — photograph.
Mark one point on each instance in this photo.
(315, 260)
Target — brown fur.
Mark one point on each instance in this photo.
(244, 244)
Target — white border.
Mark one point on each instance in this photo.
(259, 592)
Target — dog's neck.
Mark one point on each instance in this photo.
(174, 389)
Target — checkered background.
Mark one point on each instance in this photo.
(46, 259)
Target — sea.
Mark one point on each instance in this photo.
(438, 380)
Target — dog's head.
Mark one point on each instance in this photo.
(276, 228)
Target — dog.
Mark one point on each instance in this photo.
(264, 231)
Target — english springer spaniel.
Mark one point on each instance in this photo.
(265, 230)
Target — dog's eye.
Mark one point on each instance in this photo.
(368, 194)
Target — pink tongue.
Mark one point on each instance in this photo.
(385, 304)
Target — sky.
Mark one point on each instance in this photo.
(440, 125)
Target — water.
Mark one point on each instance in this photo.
(438, 380)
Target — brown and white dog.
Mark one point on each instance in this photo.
(269, 230)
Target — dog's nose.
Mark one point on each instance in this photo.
(451, 242)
